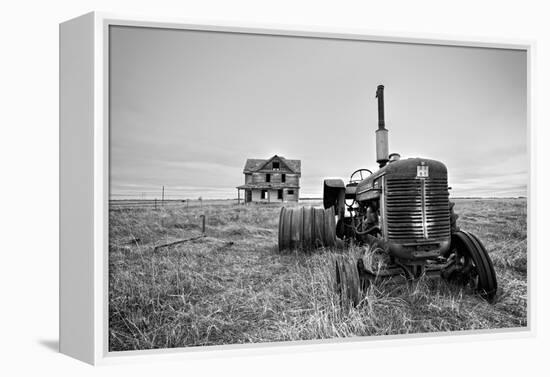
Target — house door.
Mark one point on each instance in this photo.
(280, 194)
(248, 197)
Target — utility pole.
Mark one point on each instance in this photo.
(162, 196)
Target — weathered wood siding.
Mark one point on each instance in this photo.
(256, 196)
(291, 197)
(291, 179)
(272, 196)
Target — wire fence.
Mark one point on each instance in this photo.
(159, 203)
(115, 204)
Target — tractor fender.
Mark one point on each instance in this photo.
(334, 195)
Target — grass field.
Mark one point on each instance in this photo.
(233, 286)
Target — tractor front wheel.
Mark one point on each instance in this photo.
(470, 265)
(347, 281)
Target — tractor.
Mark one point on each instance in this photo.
(402, 211)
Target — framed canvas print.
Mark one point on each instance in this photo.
(225, 188)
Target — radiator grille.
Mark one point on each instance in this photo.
(417, 209)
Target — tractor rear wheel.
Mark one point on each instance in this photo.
(471, 265)
(306, 228)
(347, 282)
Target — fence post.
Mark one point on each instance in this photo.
(203, 218)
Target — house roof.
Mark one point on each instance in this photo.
(256, 164)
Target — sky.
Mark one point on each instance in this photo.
(187, 108)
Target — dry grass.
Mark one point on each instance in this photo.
(233, 286)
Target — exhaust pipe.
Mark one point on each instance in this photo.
(382, 148)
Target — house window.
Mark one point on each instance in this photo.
(268, 177)
(290, 192)
(279, 194)
(283, 178)
(276, 165)
(264, 194)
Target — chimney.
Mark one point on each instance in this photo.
(381, 133)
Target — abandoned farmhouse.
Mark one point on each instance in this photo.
(271, 180)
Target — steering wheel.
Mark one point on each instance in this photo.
(358, 175)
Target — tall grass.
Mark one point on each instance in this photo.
(233, 286)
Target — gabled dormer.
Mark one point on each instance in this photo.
(276, 164)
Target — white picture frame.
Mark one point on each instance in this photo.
(84, 164)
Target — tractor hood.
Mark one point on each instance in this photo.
(406, 168)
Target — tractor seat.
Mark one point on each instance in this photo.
(351, 189)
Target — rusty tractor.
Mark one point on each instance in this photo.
(401, 212)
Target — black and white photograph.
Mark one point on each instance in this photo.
(272, 188)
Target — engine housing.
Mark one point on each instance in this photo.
(414, 213)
